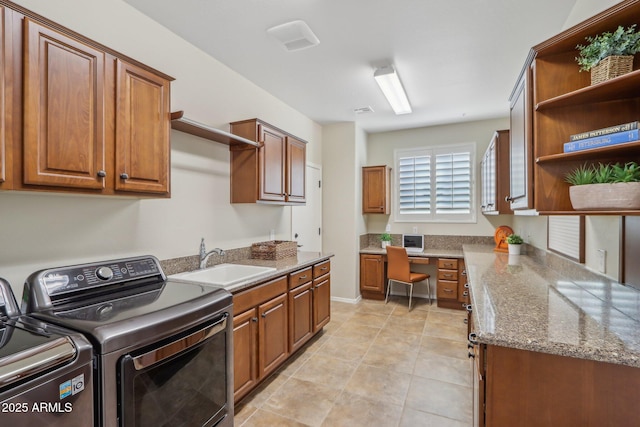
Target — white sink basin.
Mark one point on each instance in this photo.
(223, 274)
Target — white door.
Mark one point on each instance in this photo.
(306, 221)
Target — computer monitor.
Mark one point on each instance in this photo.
(413, 242)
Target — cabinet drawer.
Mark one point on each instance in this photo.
(256, 296)
(447, 289)
(300, 277)
(448, 263)
(321, 269)
(448, 275)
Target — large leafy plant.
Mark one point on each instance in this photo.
(623, 41)
(604, 174)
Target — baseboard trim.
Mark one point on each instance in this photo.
(347, 300)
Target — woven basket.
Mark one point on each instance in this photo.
(611, 67)
(274, 250)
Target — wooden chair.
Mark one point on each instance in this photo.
(399, 270)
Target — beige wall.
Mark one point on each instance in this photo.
(345, 145)
(585, 9)
(39, 230)
(380, 151)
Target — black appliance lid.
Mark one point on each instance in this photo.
(117, 322)
(25, 353)
(118, 304)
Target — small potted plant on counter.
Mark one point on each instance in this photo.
(605, 187)
(385, 239)
(610, 54)
(515, 243)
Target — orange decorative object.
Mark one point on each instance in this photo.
(500, 237)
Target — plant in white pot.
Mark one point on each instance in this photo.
(610, 54)
(385, 239)
(515, 244)
(605, 187)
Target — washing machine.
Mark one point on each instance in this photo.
(45, 371)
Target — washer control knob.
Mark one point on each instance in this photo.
(104, 273)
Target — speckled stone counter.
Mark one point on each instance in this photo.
(537, 304)
(283, 266)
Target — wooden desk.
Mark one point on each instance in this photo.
(450, 279)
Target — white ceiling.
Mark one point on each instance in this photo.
(458, 59)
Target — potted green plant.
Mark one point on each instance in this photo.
(515, 244)
(609, 54)
(605, 186)
(385, 238)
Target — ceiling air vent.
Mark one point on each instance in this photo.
(294, 35)
(363, 110)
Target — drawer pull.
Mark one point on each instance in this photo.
(302, 277)
(465, 294)
(471, 355)
(466, 285)
(324, 268)
(448, 290)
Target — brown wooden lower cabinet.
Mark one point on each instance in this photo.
(372, 276)
(526, 388)
(274, 320)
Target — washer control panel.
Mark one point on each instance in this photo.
(84, 277)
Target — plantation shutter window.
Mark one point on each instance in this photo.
(414, 176)
(453, 183)
(435, 184)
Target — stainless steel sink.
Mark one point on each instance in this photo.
(223, 274)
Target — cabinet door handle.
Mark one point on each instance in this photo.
(102, 174)
(465, 294)
(264, 315)
(254, 319)
(471, 355)
(124, 175)
(508, 199)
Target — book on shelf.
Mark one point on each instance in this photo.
(604, 131)
(601, 141)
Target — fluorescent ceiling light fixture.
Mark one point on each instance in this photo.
(391, 87)
(294, 35)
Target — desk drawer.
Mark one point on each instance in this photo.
(448, 275)
(448, 263)
(447, 290)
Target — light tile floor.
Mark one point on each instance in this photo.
(374, 364)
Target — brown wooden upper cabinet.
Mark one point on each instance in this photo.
(142, 130)
(494, 174)
(6, 106)
(375, 189)
(274, 173)
(93, 121)
(520, 148)
(560, 102)
(64, 98)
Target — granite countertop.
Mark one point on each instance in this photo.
(283, 267)
(427, 253)
(531, 303)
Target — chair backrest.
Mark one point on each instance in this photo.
(398, 264)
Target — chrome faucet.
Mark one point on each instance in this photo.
(204, 255)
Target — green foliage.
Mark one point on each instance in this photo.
(385, 237)
(581, 176)
(604, 174)
(629, 172)
(621, 42)
(514, 239)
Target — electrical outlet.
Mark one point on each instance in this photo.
(388, 228)
(602, 260)
(415, 230)
(272, 234)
